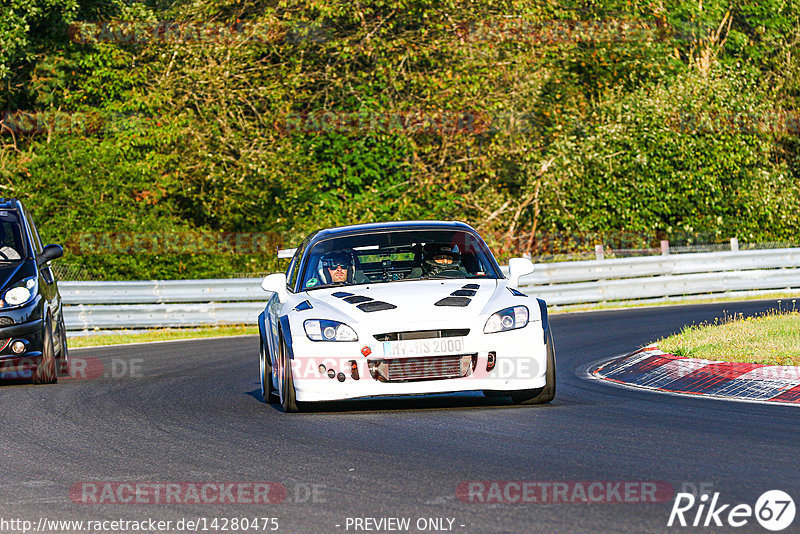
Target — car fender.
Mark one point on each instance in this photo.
(262, 332)
(543, 313)
(503, 298)
(286, 332)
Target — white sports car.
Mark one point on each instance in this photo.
(403, 308)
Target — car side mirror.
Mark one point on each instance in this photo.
(50, 252)
(517, 268)
(276, 283)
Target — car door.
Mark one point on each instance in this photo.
(47, 280)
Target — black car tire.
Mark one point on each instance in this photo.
(267, 389)
(548, 392)
(45, 372)
(287, 393)
(63, 357)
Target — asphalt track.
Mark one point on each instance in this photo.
(192, 411)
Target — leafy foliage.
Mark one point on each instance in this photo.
(525, 119)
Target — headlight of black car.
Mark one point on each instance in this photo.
(21, 293)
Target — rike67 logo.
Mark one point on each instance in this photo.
(774, 510)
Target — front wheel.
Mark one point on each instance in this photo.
(45, 372)
(267, 389)
(548, 392)
(286, 392)
(63, 357)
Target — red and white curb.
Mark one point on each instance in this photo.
(651, 368)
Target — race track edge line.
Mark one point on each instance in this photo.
(653, 370)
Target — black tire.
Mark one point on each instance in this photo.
(286, 394)
(548, 392)
(267, 389)
(63, 356)
(45, 372)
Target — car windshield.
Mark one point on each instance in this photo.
(11, 247)
(396, 256)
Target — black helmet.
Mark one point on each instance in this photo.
(432, 251)
(338, 258)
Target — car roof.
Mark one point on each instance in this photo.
(388, 226)
(368, 228)
(8, 203)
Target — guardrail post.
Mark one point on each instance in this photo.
(665, 248)
(734, 244)
(599, 253)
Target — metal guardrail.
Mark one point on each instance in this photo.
(141, 304)
(663, 276)
(162, 291)
(161, 303)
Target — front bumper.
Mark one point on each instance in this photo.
(520, 362)
(20, 365)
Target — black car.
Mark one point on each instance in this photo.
(33, 339)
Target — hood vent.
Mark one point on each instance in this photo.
(454, 302)
(303, 306)
(357, 299)
(375, 305)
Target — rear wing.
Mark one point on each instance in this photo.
(286, 253)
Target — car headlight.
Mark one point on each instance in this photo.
(324, 330)
(21, 293)
(508, 319)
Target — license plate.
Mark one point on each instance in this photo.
(423, 347)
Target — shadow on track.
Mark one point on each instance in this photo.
(405, 402)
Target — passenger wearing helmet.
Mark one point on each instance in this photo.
(440, 260)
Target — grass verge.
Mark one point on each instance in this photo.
(160, 334)
(772, 339)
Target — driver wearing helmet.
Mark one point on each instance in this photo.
(338, 267)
